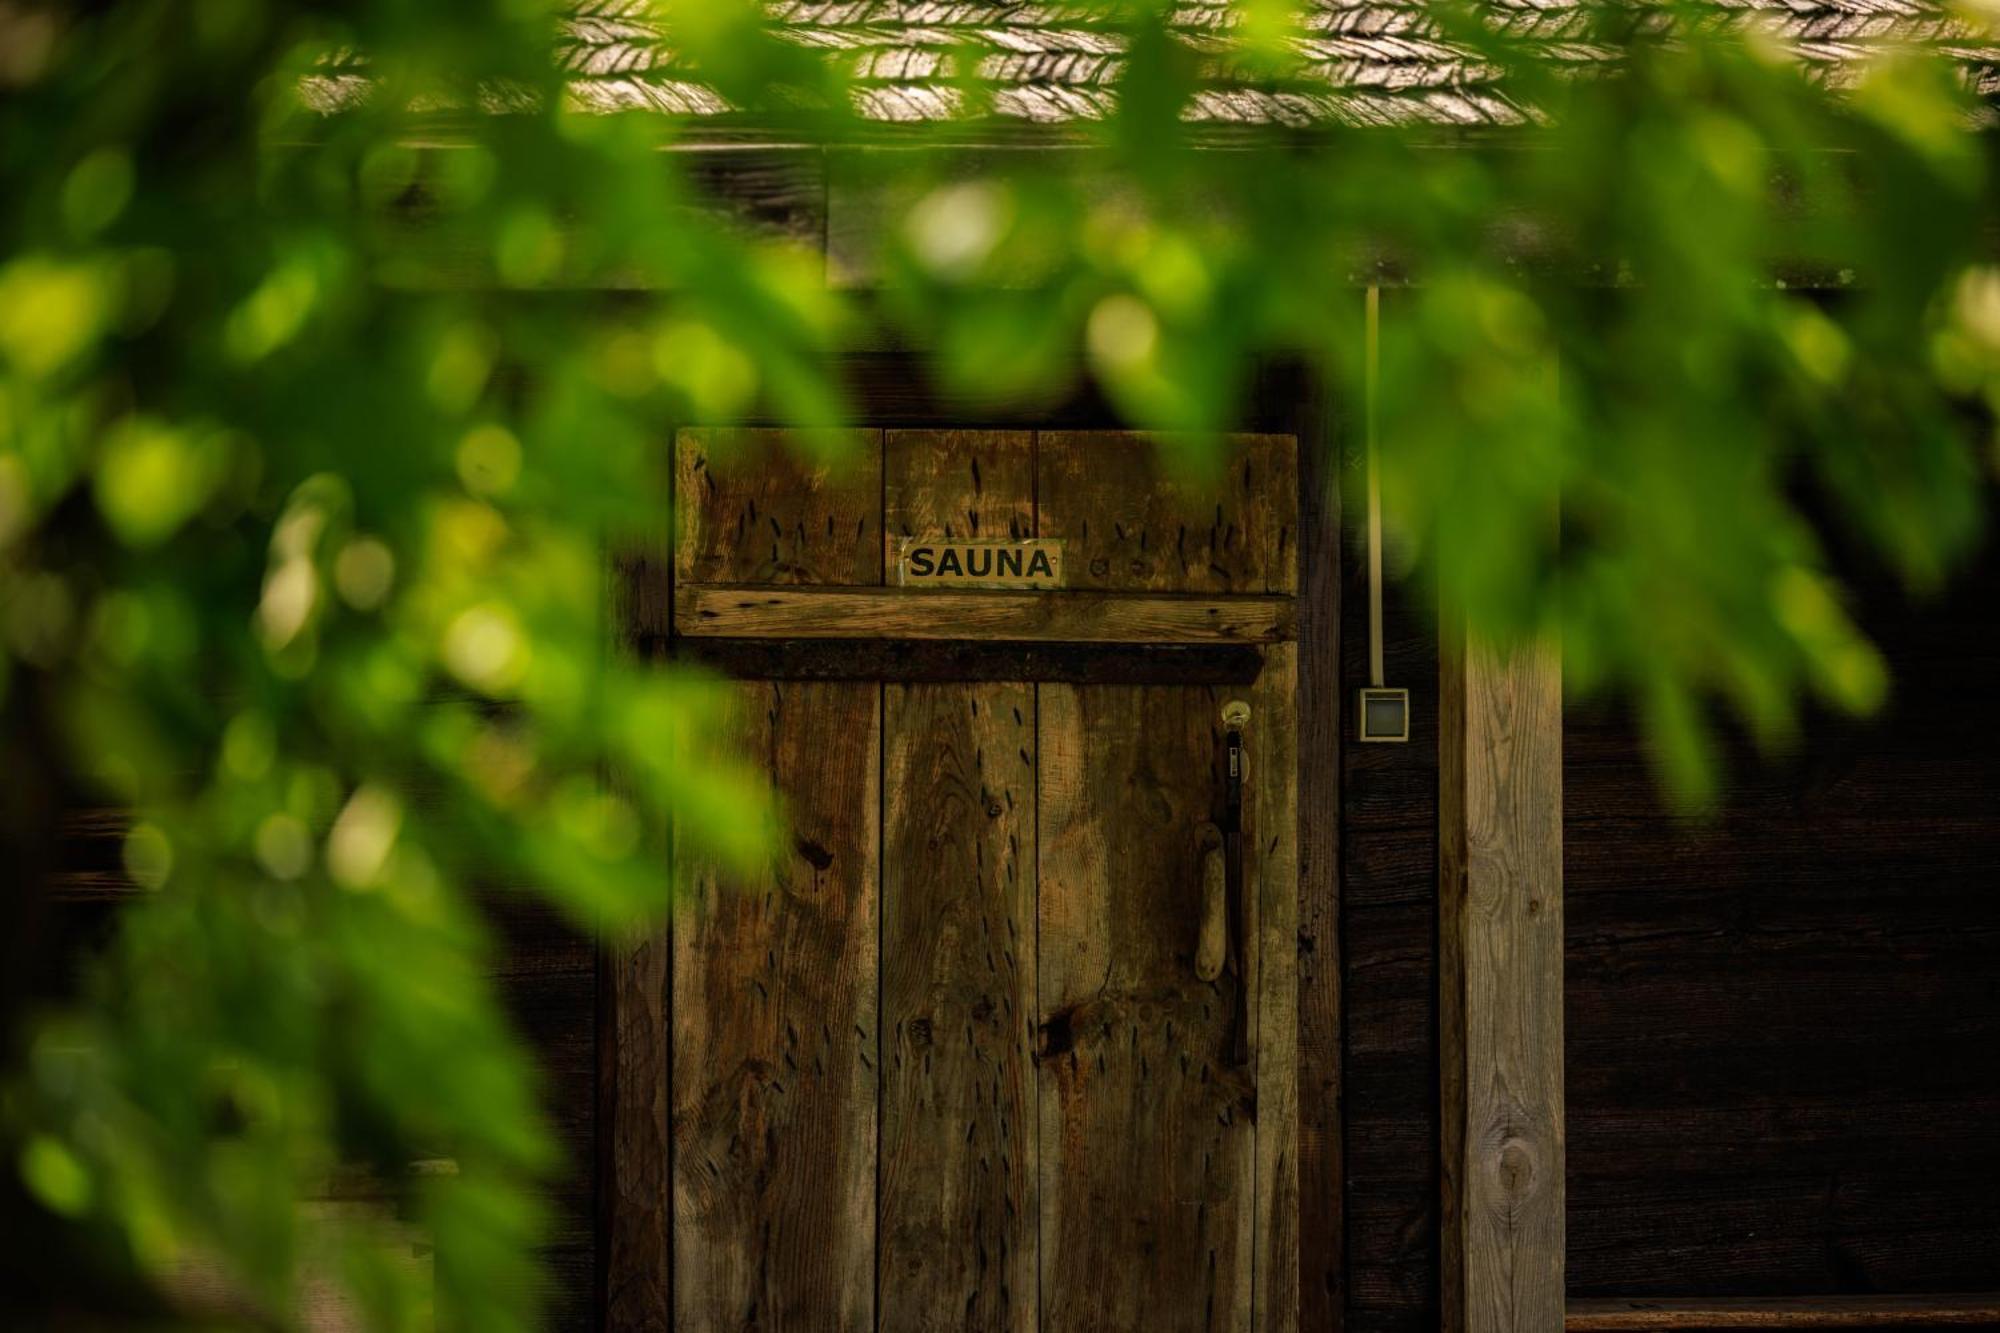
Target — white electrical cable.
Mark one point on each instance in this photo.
(1371, 393)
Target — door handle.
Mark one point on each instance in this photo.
(1235, 717)
(1211, 948)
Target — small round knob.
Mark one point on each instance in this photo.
(1236, 715)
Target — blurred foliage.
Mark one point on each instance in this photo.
(315, 424)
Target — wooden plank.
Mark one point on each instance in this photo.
(1825, 940)
(772, 193)
(1147, 1130)
(957, 1195)
(1132, 521)
(778, 506)
(1074, 617)
(1322, 1245)
(1714, 1313)
(543, 972)
(1271, 823)
(1388, 935)
(638, 1292)
(956, 1207)
(1500, 1004)
(641, 595)
(937, 660)
(89, 847)
(633, 1134)
(958, 484)
(774, 1037)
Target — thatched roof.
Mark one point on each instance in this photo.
(1362, 62)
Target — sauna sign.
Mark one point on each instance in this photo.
(926, 562)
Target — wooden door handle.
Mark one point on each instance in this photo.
(1235, 719)
(1211, 946)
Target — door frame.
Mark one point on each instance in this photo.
(634, 1159)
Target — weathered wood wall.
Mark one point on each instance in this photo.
(1154, 1181)
(546, 974)
(1500, 968)
(1389, 985)
(1784, 1018)
(1781, 1019)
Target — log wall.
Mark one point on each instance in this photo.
(1784, 1016)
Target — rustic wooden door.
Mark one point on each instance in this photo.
(950, 1063)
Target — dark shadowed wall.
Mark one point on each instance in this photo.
(1389, 986)
(1784, 1018)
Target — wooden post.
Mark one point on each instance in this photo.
(1500, 926)
(634, 1142)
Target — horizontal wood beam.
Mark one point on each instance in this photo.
(925, 660)
(1629, 1315)
(711, 611)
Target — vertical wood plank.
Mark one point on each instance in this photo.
(1147, 1134)
(1271, 820)
(753, 506)
(960, 484)
(634, 1152)
(1501, 971)
(638, 1291)
(774, 1026)
(1321, 1156)
(1139, 1103)
(1388, 931)
(1133, 523)
(957, 1215)
(957, 1193)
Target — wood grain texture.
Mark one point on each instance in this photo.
(642, 597)
(1073, 617)
(89, 857)
(758, 506)
(633, 1134)
(932, 661)
(772, 193)
(1271, 825)
(1148, 1133)
(959, 484)
(1322, 1297)
(957, 1205)
(1705, 1314)
(545, 974)
(638, 1291)
(774, 1024)
(1388, 932)
(1132, 521)
(1818, 1115)
(1501, 974)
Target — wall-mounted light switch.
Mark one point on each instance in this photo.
(1384, 715)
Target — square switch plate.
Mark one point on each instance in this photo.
(1384, 715)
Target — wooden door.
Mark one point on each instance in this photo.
(949, 1064)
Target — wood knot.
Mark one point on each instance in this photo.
(1058, 1036)
(818, 857)
(1514, 1165)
